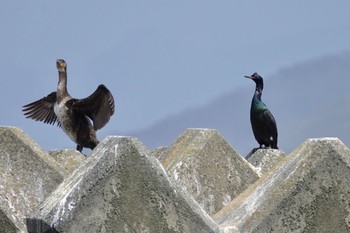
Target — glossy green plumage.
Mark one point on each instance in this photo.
(262, 121)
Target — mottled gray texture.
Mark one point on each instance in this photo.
(120, 188)
(69, 159)
(206, 165)
(265, 159)
(27, 176)
(308, 192)
(7, 226)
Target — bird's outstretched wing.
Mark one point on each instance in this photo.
(42, 110)
(99, 106)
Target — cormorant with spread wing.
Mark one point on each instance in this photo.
(74, 116)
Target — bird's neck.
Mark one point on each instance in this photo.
(62, 85)
(258, 92)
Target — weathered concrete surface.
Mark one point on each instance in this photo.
(310, 192)
(69, 159)
(120, 188)
(6, 225)
(206, 165)
(27, 176)
(265, 159)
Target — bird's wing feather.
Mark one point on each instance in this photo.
(99, 106)
(42, 110)
(270, 123)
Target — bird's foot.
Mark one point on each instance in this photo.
(79, 148)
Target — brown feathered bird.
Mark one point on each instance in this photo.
(74, 116)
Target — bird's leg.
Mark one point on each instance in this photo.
(79, 148)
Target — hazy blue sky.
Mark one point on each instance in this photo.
(156, 57)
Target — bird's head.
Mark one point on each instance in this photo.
(61, 65)
(257, 79)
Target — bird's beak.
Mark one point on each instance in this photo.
(249, 77)
(60, 64)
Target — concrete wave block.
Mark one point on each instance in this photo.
(27, 176)
(120, 188)
(212, 172)
(308, 192)
(69, 159)
(265, 159)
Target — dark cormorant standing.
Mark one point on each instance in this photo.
(73, 115)
(263, 123)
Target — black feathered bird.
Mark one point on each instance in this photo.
(263, 123)
(73, 115)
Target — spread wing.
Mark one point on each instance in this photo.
(99, 106)
(42, 110)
